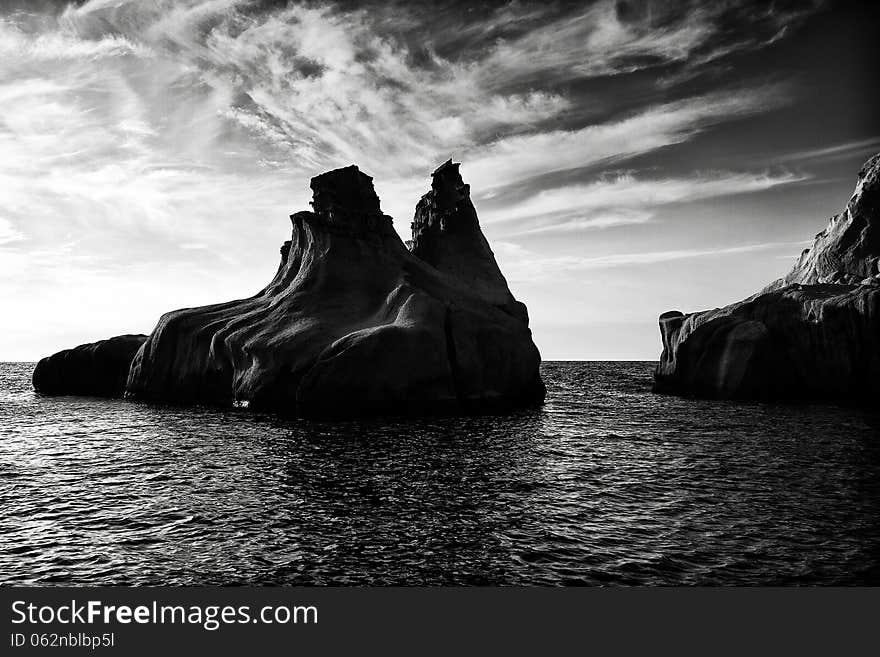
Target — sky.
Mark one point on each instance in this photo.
(625, 158)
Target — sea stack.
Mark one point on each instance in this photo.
(813, 334)
(354, 322)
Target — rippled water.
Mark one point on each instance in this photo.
(607, 484)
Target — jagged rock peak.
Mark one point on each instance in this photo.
(866, 197)
(446, 234)
(347, 189)
(447, 186)
(848, 250)
(344, 199)
(445, 208)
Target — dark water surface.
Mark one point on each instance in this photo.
(607, 484)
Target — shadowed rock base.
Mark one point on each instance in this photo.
(814, 334)
(97, 369)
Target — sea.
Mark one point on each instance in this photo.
(606, 484)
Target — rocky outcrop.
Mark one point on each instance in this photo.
(97, 369)
(847, 252)
(813, 334)
(354, 322)
(446, 234)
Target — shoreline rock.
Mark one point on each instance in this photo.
(97, 369)
(813, 334)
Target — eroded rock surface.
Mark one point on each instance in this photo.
(848, 250)
(96, 369)
(814, 333)
(354, 322)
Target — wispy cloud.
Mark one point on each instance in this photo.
(521, 157)
(834, 151)
(59, 44)
(7, 232)
(195, 101)
(626, 199)
(525, 265)
(606, 38)
(159, 146)
(330, 86)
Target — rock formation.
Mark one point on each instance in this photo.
(814, 333)
(98, 369)
(354, 322)
(446, 234)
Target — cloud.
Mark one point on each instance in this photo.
(626, 199)
(100, 167)
(524, 265)
(521, 157)
(159, 146)
(594, 42)
(59, 44)
(611, 38)
(8, 233)
(194, 102)
(335, 91)
(330, 86)
(834, 151)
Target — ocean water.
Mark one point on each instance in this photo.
(607, 484)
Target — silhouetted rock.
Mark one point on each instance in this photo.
(354, 323)
(814, 333)
(99, 368)
(446, 234)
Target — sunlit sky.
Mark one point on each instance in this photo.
(625, 158)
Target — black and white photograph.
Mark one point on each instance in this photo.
(439, 294)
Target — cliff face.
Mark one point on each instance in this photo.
(353, 322)
(814, 333)
(98, 369)
(848, 250)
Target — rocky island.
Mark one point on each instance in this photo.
(354, 322)
(813, 334)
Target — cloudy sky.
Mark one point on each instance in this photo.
(625, 158)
